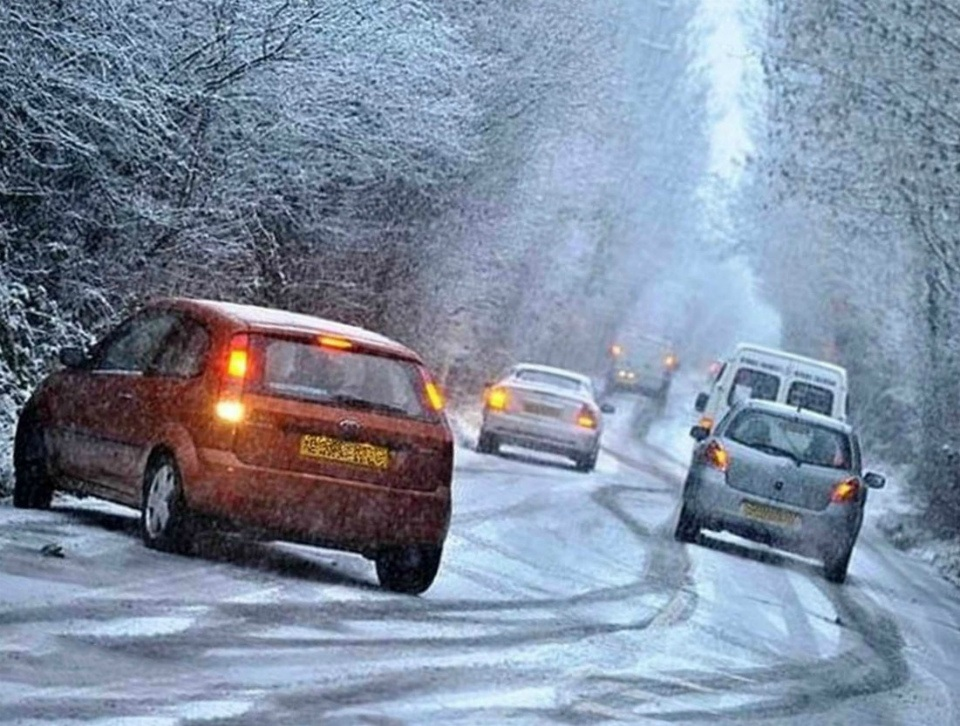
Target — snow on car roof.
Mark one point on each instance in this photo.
(782, 409)
(552, 370)
(269, 318)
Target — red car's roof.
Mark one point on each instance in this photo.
(272, 320)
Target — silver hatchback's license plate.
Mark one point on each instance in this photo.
(773, 515)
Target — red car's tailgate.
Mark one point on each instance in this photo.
(344, 444)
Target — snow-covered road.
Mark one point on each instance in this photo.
(562, 598)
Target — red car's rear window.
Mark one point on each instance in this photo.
(307, 371)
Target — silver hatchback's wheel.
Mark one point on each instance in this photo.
(836, 563)
(688, 529)
(164, 518)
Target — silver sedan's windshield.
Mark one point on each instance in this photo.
(550, 379)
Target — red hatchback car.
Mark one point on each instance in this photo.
(282, 424)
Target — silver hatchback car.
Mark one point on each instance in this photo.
(784, 477)
(544, 408)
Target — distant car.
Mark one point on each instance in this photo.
(283, 424)
(785, 477)
(646, 367)
(546, 409)
(623, 377)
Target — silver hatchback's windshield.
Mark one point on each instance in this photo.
(802, 441)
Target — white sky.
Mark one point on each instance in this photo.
(729, 61)
(731, 66)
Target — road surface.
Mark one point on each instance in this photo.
(562, 599)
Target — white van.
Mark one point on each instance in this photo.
(775, 375)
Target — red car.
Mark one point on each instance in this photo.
(282, 424)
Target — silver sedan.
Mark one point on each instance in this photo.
(546, 409)
(787, 478)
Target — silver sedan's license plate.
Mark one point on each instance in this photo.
(541, 409)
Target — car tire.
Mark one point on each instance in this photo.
(487, 443)
(586, 463)
(688, 528)
(165, 521)
(408, 570)
(835, 565)
(33, 484)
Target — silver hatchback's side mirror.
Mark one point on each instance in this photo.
(874, 480)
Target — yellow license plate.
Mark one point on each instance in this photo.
(345, 452)
(764, 513)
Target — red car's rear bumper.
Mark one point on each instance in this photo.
(312, 509)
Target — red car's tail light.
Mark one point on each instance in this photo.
(237, 363)
(432, 393)
(587, 418)
(716, 456)
(497, 399)
(434, 396)
(230, 411)
(229, 406)
(845, 491)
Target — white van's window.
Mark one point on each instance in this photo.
(750, 383)
(810, 397)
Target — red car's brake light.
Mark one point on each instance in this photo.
(229, 407)
(237, 363)
(334, 343)
(432, 393)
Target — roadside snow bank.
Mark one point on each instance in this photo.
(900, 518)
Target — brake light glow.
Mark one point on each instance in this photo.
(670, 362)
(237, 363)
(716, 456)
(329, 341)
(230, 411)
(434, 396)
(497, 399)
(586, 418)
(229, 407)
(845, 491)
